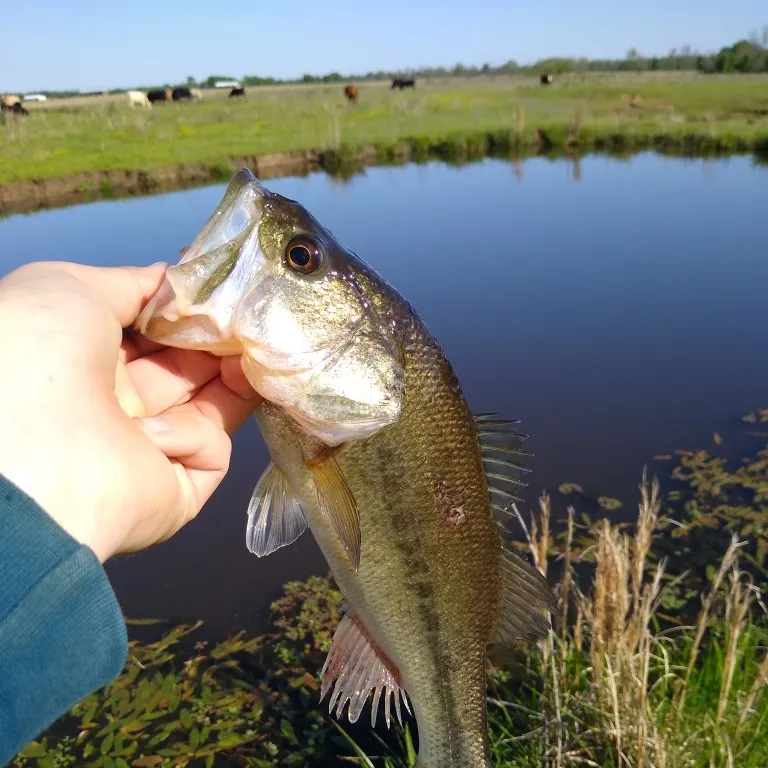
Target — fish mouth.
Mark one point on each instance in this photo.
(197, 300)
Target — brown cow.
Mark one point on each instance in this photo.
(351, 93)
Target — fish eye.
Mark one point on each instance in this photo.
(304, 254)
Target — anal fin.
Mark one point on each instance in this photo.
(274, 516)
(359, 666)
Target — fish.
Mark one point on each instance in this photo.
(374, 448)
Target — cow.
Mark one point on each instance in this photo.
(7, 101)
(138, 99)
(161, 94)
(546, 79)
(238, 92)
(351, 93)
(17, 108)
(181, 94)
(196, 93)
(403, 83)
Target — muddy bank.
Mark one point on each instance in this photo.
(33, 194)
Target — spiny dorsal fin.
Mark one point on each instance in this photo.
(358, 666)
(274, 516)
(500, 445)
(338, 505)
(525, 594)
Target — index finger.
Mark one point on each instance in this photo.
(125, 289)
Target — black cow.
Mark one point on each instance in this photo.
(181, 94)
(546, 79)
(237, 92)
(402, 83)
(162, 94)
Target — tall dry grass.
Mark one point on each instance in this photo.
(617, 689)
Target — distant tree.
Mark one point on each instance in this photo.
(191, 82)
(553, 66)
(743, 56)
(510, 66)
(634, 61)
(705, 64)
(257, 80)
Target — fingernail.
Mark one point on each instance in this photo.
(155, 424)
(158, 264)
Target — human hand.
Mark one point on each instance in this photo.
(119, 440)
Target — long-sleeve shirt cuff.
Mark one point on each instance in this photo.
(62, 633)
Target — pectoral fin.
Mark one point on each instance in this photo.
(358, 666)
(274, 516)
(338, 505)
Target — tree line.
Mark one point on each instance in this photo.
(743, 57)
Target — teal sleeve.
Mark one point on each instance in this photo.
(62, 634)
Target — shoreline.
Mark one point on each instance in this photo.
(29, 195)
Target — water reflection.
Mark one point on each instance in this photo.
(619, 317)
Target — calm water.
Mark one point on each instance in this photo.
(619, 309)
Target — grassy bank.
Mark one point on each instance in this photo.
(687, 113)
(658, 654)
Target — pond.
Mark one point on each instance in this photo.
(618, 307)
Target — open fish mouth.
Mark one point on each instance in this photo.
(220, 297)
(308, 338)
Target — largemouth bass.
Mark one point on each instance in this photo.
(374, 448)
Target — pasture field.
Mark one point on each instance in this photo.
(674, 111)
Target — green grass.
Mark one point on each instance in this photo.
(687, 113)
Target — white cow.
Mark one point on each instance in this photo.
(138, 99)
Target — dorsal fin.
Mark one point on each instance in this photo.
(500, 445)
(274, 516)
(525, 593)
(359, 666)
(525, 596)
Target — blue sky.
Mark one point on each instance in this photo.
(92, 44)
